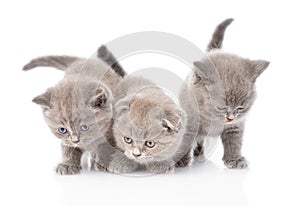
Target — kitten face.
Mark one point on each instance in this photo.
(79, 116)
(238, 102)
(233, 78)
(145, 131)
(143, 145)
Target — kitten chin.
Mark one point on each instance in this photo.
(141, 160)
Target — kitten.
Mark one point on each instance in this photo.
(148, 129)
(224, 87)
(78, 109)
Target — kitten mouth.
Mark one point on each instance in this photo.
(229, 121)
(71, 144)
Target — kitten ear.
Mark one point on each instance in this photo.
(100, 99)
(43, 100)
(122, 106)
(205, 72)
(167, 125)
(173, 123)
(257, 67)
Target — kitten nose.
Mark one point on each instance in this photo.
(230, 116)
(136, 155)
(136, 152)
(75, 139)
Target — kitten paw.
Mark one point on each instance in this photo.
(121, 169)
(99, 168)
(120, 164)
(160, 168)
(240, 163)
(67, 169)
(199, 153)
(96, 166)
(184, 162)
(199, 150)
(170, 170)
(200, 158)
(165, 171)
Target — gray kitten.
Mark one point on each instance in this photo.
(224, 87)
(78, 110)
(147, 131)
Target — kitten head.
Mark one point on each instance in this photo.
(79, 115)
(230, 80)
(148, 126)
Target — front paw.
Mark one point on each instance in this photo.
(169, 170)
(161, 169)
(240, 163)
(99, 168)
(184, 162)
(67, 169)
(199, 153)
(122, 168)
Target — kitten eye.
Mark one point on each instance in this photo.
(150, 144)
(239, 109)
(221, 109)
(84, 128)
(62, 130)
(127, 140)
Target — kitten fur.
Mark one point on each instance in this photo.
(224, 87)
(144, 113)
(80, 105)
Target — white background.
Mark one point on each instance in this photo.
(29, 152)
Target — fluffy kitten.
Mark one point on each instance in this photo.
(224, 87)
(78, 109)
(147, 130)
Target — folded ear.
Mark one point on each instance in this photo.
(256, 68)
(100, 99)
(173, 122)
(44, 100)
(205, 73)
(58, 62)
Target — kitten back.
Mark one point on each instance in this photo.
(218, 35)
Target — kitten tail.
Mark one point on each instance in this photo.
(105, 55)
(58, 62)
(218, 35)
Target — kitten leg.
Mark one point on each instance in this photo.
(199, 151)
(120, 164)
(185, 161)
(101, 156)
(96, 164)
(71, 161)
(166, 166)
(232, 137)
